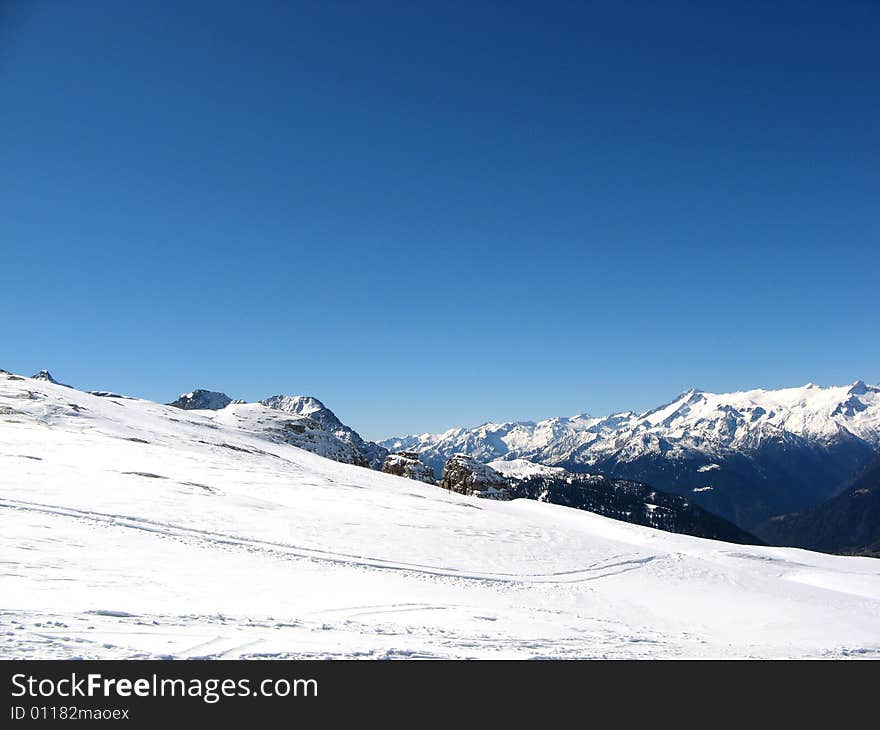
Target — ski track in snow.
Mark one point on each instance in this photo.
(134, 530)
(184, 533)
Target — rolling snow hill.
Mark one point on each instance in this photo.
(133, 529)
(295, 419)
(744, 456)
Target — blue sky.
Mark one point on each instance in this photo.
(437, 214)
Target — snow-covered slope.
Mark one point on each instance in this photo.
(295, 419)
(756, 449)
(370, 454)
(132, 529)
(299, 430)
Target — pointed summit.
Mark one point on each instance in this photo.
(47, 377)
(858, 388)
(307, 406)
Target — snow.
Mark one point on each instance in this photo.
(695, 424)
(133, 529)
(343, 437)
(523, 469)
(303, 405)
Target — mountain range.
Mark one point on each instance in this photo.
(796, 466)
(746, 456)
(306, 422)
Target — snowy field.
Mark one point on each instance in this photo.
(135, 530)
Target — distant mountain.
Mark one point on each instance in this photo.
(372, 455)
(202, 400)
(299, 420)
(847, 523)
(619, 499)
(276, 425)
(745, 455)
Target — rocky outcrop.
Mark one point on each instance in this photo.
(202, 400)
(47, 376)
(407, 464)
(465, 475)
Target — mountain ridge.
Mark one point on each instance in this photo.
(797, 444)
(300, 420)
(848, 523)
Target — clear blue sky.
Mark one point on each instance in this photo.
(440, 213)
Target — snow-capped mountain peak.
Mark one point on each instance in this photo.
(310, 408)
(202, 400)
(748, 433)
(858, 388)
(303, 405)
(46, 376)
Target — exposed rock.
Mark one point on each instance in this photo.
(407, 464)
(202, 400)
(305, 405)
(47, 376)
(307, 408)
(465, 475)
